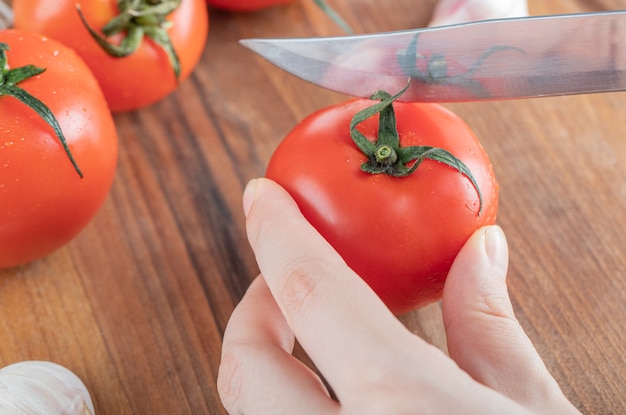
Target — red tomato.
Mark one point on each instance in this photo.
(246, 5)
(43, 200)
(129, 82)
(400, 234)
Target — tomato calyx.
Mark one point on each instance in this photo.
(9, 78)
(137, 19)
(386, 156)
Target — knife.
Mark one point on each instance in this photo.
(485, 60)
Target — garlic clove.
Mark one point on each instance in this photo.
(460, 11)
(42, 388)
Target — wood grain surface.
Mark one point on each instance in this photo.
(136, 305)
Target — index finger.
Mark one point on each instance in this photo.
(340, 322)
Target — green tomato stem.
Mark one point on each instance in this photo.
(386, 156)
(9, 78)
(137, 19)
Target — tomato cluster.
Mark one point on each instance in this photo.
(63, 71)
(129, 53)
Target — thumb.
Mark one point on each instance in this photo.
(484, 337)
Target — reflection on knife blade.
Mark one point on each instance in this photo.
(488, 60)
(432, 70)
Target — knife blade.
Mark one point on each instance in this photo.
(485, 60)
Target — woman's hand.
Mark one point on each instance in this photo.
(372, 362)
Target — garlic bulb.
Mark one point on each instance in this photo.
(460, 11)
(42, 388)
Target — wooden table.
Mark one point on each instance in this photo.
(137, 304)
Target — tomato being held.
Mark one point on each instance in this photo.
(163, 42)
(401, 224)
(44, 201)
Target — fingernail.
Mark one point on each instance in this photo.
(249, 194)
(496, 247)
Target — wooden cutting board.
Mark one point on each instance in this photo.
(136, 305)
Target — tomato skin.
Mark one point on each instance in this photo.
(43, 201)
(134, 81)
(246, 5)
(400, 234)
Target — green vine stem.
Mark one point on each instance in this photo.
(137, 19)
(9, 78)
(386, 156)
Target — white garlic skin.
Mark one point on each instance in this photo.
(449, 12)
(42, 388)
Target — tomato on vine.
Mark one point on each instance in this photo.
(58, 146)
(139, 50)
(396, 188)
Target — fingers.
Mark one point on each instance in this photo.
(258, 374)
(329, 308)
(360, 347)
(484, 337)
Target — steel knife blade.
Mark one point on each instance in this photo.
(485, 60)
